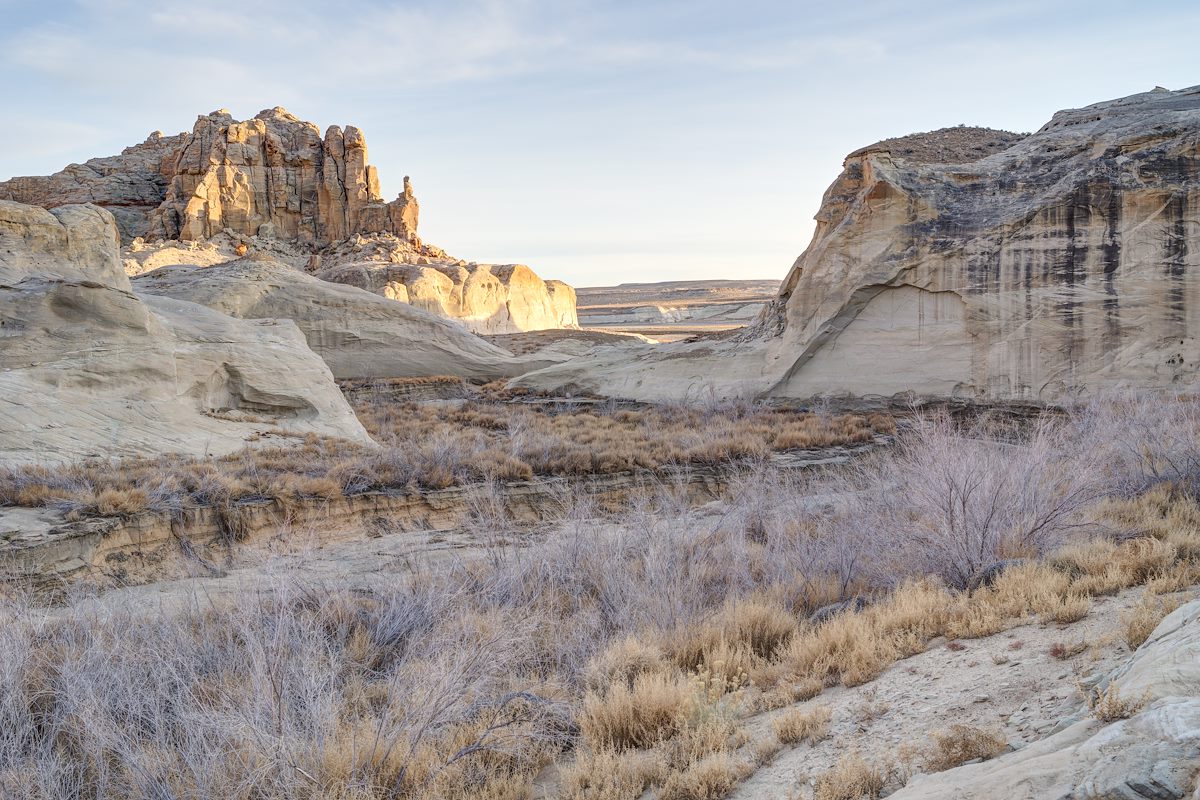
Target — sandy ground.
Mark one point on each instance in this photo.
(1008, 683)
(520, 344)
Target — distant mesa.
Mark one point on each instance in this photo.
(274, 185)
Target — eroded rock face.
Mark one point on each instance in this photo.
(976, 264)
(276, 175)
(359, 334)
(131, 186)
(89, 368)
(487, 298)
(1067, 262)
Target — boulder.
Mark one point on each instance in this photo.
(359, 334)
(89, 368)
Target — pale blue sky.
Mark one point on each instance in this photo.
(598, 142)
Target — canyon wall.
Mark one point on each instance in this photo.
(976, 264)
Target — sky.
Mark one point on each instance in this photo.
(597, 142)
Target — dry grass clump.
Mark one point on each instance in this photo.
(960, 744)
(1110, 704)
(851, 778)
(609, 775)
(1141, 620)
(803, 725)
(711, 778)
(1064, 651)
(655, 708)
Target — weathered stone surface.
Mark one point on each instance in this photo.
(275, 175)
(130, 185)
(1064, 263)
(357, 333)
(1153, 754)
(486, 298)
(88, 368)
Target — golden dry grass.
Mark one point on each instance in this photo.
(710, 778)
(803, 725)
(656, 707)
(962, 743)
(431, 446)
(851, 778)
(1141, 620)
(1111, 704)
(607, 774)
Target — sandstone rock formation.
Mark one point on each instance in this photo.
(357, 333)
(274, 185)
(275, 175)
(486, 298)
(131, 186)
(1153, 754)
(89, 368)
(1065, 262)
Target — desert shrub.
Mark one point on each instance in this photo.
(803, 725)
(851, 778)
(656, 707)
(1110, 704)
(1140, 621)
(711, 778)
(962, 743)
(960, 500)
(1142, 439)
(407, 694)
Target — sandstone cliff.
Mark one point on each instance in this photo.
(273, 184)
(89, 368)
(276, 175)
(977, 264)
